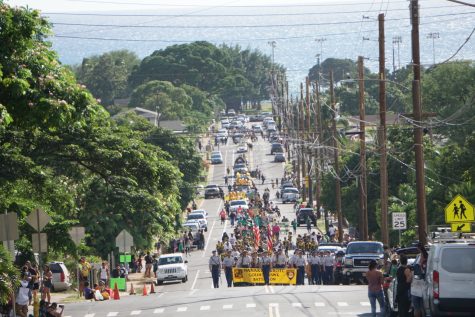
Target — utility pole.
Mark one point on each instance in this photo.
(302, 146)
(382, 133)
(336, 161)
(363, 218)
(297, 142)
(397, 40)
(433, 36)
(320, 155)
(308, 139)
(418, 130)
(320, 41)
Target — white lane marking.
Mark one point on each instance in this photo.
(112, 314)
(192, 292)
(365, 304)
(271, 288)
(182, 309)
(342, 304)
(209, 235)
(196, 279)
(266, 288)
(251, 305)
(230, 306)
(319, 304)
(274, 307)
(296, 304)
(205, 308)
(135, 312)
(159, 311)
(89, 315)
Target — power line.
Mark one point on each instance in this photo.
(244, 26)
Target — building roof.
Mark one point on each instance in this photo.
(176, 126)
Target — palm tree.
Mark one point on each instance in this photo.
(9, 276)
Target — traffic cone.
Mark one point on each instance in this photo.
(152, 289)
(132, 290)
(116, 292)
(144, 290)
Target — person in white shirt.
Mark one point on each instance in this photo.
(279, 259)
(244, 261)
(328, 262)
(22, 297)
(299, 263)
(228, 246)
(314, 261)
(232, 239)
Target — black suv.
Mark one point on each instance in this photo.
(276, 148)
(302, 215)
(358, 256)
(211, 191)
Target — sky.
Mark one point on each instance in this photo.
(107, 5)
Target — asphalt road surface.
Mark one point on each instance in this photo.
(197, 296)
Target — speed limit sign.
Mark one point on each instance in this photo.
(399, 221)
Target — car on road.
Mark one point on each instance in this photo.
(231, 112)
(172, 267)
(330, 248)
(256, 129)
(212, 191)
(200, 211)
(279, 157)
(235, 204)
(240, 168)
(450, 278)
(303, 214)
(192, 226)
(290, 195)
(241, 149)
(202, 223)
(358, 256)
(61, 278)
(276, 148)
(216, 158)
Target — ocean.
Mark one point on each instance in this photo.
(298, 32)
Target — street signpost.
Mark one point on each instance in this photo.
(38, 219)
(461, 227)
(459, 210)
(9, 231)
(77, 234)
(399, 222)
(124, 241)
(39, 242)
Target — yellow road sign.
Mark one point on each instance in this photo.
(459, 210)
(461, 227)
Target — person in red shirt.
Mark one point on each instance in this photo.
(222, 215)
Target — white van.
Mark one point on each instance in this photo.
(450, 279)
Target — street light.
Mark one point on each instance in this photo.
(321, 40)
(397, 40)
(272, 44)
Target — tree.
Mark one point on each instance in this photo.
(9, 276)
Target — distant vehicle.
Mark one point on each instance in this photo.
(358, 256)
(286, 184)
(331, 248)
(231, 112)
(242, 149)
(257, 129)
(172, 267)
(303, 214)
(192, 226)
(200, 211)
(211, 191)
(202, 223)
(216, 158)
(290, 194)
(450, 279)
(255, 118)
(235, 204)
(61, 277)
(279, 157)
(276, 147)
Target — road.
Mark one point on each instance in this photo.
(197, 296)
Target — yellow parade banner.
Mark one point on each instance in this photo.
(254, 276)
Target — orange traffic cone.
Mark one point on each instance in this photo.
(152, 289)
(132, 290)
(116, 292)
(144, 290)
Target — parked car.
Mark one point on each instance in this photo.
(276, 148)
(198, 216)
(231, 112)
(202, 223)
(242, 149)
(172, 267)
(279, 157)
(290, 195)
(303, 214)
(200, 211)
(216, 158)
(192, 226)
(358, 256)
(450, 279)
(61, 277)
(211, 191)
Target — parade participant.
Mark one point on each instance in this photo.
(299, 263)
(222, 215)
(228, 246)
(244, 260)
(375, 290)
(232, 239)
(328, 262)
(266, 265)
(228, 263)
(214, 267)
(313, 260)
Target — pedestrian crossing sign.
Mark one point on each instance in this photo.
(459, 210)
(461, 227)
